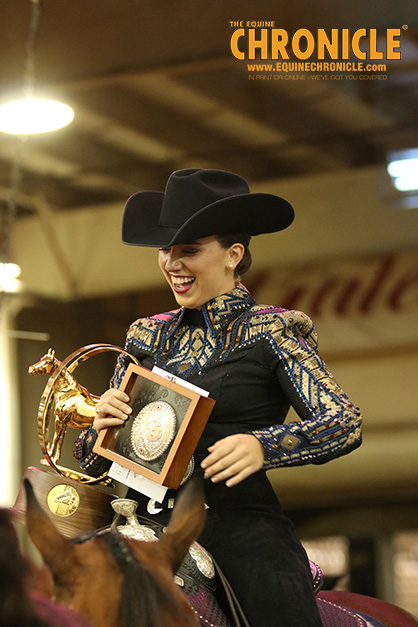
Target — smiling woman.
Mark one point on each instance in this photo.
(255, 361)
(200, 271)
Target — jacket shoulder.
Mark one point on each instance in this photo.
(271, 321)
(144, 331)
(277, 316)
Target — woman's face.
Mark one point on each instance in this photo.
(200, 271)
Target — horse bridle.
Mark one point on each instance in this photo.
(119, 548)
(115, 542)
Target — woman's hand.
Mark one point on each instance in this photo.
(233, 458)
(112, 409)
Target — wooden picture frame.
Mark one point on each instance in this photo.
(166, 415)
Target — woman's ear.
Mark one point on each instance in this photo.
(235, 254)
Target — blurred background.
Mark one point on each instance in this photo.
(154, 88)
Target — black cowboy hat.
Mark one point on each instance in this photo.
(198, 203)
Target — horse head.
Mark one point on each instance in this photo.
(47, 364)
(25, 586)
(134, 582)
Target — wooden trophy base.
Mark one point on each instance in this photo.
(72, 506)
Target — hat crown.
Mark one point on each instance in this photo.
(198, 203)
(189, 191)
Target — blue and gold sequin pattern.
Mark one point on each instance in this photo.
(233, 322)
(335, 426)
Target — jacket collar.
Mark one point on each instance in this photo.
(219, 311)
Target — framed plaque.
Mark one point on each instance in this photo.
(158, 439)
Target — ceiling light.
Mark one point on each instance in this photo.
(9, 273)
(407, 183)
(403, 169)
(34, 115)
(399, 183)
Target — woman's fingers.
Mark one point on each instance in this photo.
(233, 459)
(108, 421)
(115, 403)
(112, 409)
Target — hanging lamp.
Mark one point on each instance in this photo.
(30, 114)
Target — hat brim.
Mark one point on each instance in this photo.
(252, 213)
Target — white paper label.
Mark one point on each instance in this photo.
(179, 381)
(137, 482)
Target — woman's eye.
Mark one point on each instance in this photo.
(191, 251)
(164, 250)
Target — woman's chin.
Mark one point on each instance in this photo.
(187, 299)
(183, 301)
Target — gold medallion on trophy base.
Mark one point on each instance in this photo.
(63, 500)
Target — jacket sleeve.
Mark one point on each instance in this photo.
(94, 464)
(330, 425)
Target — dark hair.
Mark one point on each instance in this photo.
(226, 241)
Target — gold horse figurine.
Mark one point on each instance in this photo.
(70, 403)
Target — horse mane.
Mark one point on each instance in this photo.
(145, 601)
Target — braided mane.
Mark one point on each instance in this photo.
(145, 601)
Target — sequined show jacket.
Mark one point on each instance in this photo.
(256, 361)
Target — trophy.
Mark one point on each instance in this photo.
(72, 499)
(158, 439)
(154, 447)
